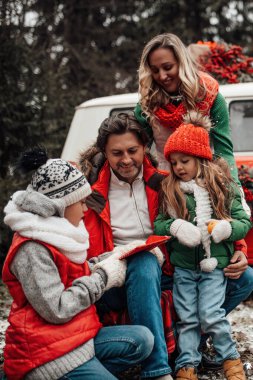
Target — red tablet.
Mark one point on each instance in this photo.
(152, 242)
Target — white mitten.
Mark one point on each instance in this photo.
(115, 270)
(120, 250)
(158, 254)
(221, 231)
(186, 233)
(114, 253)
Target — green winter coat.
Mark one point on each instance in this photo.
(189, 258)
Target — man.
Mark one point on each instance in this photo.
(122, 208)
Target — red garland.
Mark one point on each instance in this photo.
(227, 63)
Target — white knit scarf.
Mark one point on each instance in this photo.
(203, 214)
(203, 211)
(72, 241)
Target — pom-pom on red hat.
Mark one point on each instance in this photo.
(191, 137)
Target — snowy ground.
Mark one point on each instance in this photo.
(5, 302)
(241, 321)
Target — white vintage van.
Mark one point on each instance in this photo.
(89, 115)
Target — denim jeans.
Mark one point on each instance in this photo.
(238, 290)
(116, 349)
(141, 295)
(198, 299)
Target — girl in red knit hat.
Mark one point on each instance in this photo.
(201, 210)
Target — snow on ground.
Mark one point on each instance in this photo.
(241, 320)
(5, 302)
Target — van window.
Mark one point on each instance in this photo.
(241, 121)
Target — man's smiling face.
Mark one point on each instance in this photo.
(125, 154)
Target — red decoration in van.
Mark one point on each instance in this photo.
(226, 62)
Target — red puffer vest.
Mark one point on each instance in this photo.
(30, 340)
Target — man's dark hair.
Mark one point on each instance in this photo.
(91, 160)
(119, 124)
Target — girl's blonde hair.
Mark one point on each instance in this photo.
(152, 95)
(210, 175)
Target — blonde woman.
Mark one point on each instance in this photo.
(170, 84)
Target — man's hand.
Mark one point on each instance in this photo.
(238, 264)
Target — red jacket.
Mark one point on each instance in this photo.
(31, 341)
(97, 218)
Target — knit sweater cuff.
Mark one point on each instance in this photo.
(102, 274)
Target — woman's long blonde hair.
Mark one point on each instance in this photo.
(151, 94)
(211, 175)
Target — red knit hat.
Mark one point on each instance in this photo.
(192, 139)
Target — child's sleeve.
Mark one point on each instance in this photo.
(241, 223)
(39, 277)
(162, 225)
(241, 245)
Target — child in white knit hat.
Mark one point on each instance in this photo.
(54, 330)
(201, 210)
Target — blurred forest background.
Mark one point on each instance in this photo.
(56, 54)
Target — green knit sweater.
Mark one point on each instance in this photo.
(220, 133)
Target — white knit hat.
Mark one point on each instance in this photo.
(58, 179)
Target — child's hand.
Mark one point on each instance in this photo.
(120, 250)
(186, 233)
(117, 252)
(115, 270)
(221, 231)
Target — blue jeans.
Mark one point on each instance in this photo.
(198, 299)
(141, 295)
(238, 290)
(116, 348)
